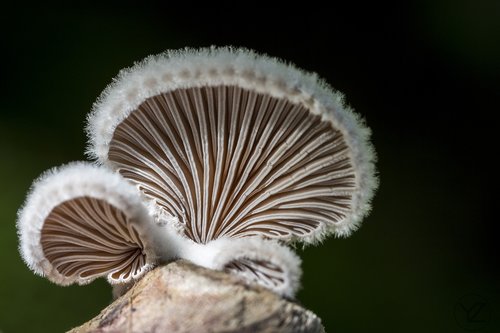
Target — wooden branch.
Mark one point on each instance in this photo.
(182, 297)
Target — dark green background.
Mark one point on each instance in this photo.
(424, 74)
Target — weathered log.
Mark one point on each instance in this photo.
(182, 297)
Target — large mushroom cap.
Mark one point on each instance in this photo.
(234, 144)
(81, 222)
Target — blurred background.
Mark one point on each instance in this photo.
(425, 76)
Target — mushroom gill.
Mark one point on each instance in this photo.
(232, 162)
(258, 271)
(87, 238)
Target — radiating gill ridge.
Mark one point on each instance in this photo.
(89, 238)
(259, 271)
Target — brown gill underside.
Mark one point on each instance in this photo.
(88, 238)
(228, 161)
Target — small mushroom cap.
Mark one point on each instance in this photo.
(234, 144)
(253, 259)
(81, 222)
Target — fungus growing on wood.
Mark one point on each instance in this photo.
(231, 154)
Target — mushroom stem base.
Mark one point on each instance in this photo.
(182, 297)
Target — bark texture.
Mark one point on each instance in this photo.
(182, 297)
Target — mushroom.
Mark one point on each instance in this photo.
(81, 222)
(236, 145)
(254, 259)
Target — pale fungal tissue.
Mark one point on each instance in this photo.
(219, 156)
